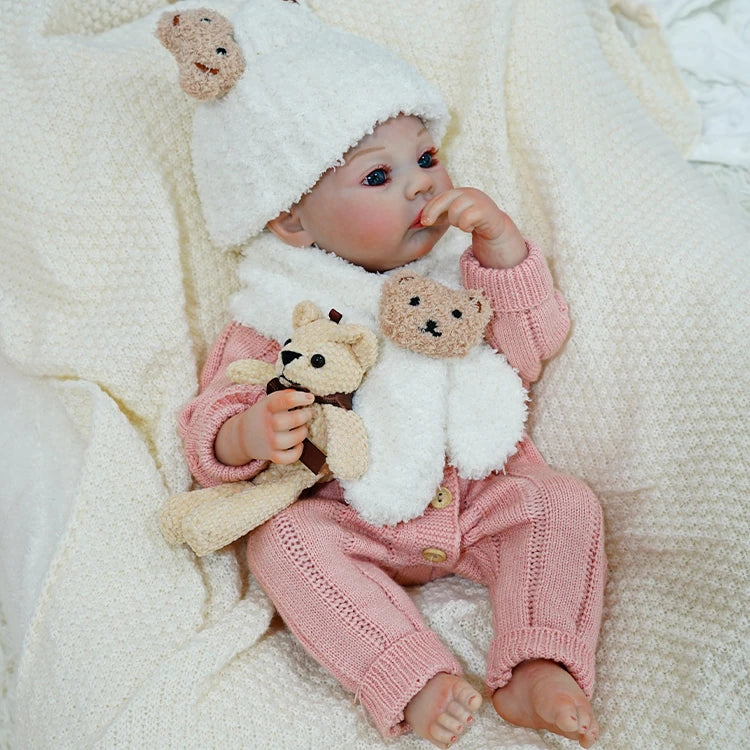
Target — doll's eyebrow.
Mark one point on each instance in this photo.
(364, 151)
(369, 150)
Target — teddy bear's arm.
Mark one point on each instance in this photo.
(250, 371)
(347, 442)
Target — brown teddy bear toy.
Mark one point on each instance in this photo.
(324, 357)
(430, 318)
(202, 41)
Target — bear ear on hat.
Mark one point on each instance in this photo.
(202, 41)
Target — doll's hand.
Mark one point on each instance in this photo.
(272, 429)
(496, 241)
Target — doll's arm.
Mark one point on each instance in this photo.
(530, 321)
(218, 401)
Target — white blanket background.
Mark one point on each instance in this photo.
(573, 117)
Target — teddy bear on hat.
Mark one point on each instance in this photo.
(325, 357)
(209, 59)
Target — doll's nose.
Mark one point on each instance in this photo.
(288, 356)
(420, 182)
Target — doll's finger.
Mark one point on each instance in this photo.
(465, 214)
(282, 401)
(284, 441)
(438, 206)
(283, 421)
(286, 457)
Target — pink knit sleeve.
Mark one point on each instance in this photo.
(218, 400)
(531, 318)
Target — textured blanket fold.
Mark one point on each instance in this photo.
(111, 294)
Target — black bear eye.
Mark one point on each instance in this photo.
(287, 342)
(221, 51)
(206, 20)
(414, 301)
(317, 360)
(456, 313)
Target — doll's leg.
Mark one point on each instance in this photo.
(346, 611)
(545, 568)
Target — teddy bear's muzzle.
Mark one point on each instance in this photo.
(431, 327)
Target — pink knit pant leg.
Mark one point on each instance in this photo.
(545, 566)
(347, 613)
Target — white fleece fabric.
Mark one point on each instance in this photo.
(111, 293)
(260, 147)
(422, 418)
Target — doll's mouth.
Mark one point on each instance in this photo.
(417, 222)
(205, 69)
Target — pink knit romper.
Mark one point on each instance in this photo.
(533, 536)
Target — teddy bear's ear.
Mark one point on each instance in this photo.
(365, 348)
(305, 312)
(397, 278)
(363, 343)
(164, 30)
(481, 302)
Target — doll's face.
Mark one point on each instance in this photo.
(368, 210)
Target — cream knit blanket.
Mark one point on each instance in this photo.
(110, 294)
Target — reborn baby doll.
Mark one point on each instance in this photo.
(330, 143)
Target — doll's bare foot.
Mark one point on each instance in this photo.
(543, 695)
(442, 709)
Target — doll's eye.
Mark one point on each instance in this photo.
(456, 313)
(414, 301)
(221, 51)
(427, 159)
(377, 177)
(317, 360)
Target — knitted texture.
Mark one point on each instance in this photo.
(264, 144)
(111, 292)
(322, 356)
(532, 536)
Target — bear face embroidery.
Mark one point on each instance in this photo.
(210, 60)
(430, 318)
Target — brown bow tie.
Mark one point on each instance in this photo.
(312, 456)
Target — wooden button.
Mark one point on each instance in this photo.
(434, 555)
(443, 498)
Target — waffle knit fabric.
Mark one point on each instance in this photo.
(111, 294)
(532, 535)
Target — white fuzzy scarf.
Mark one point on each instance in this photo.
(417, 409)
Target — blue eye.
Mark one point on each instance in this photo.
(377, 177)
(427, 160)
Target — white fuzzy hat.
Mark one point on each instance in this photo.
(309, 92)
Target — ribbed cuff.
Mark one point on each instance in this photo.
(221, 411)
(511, 289)
(516, 646)
(399, 674)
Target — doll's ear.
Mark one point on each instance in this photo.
(287, 227)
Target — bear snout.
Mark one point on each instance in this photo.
(430, 327)
(289, 356)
